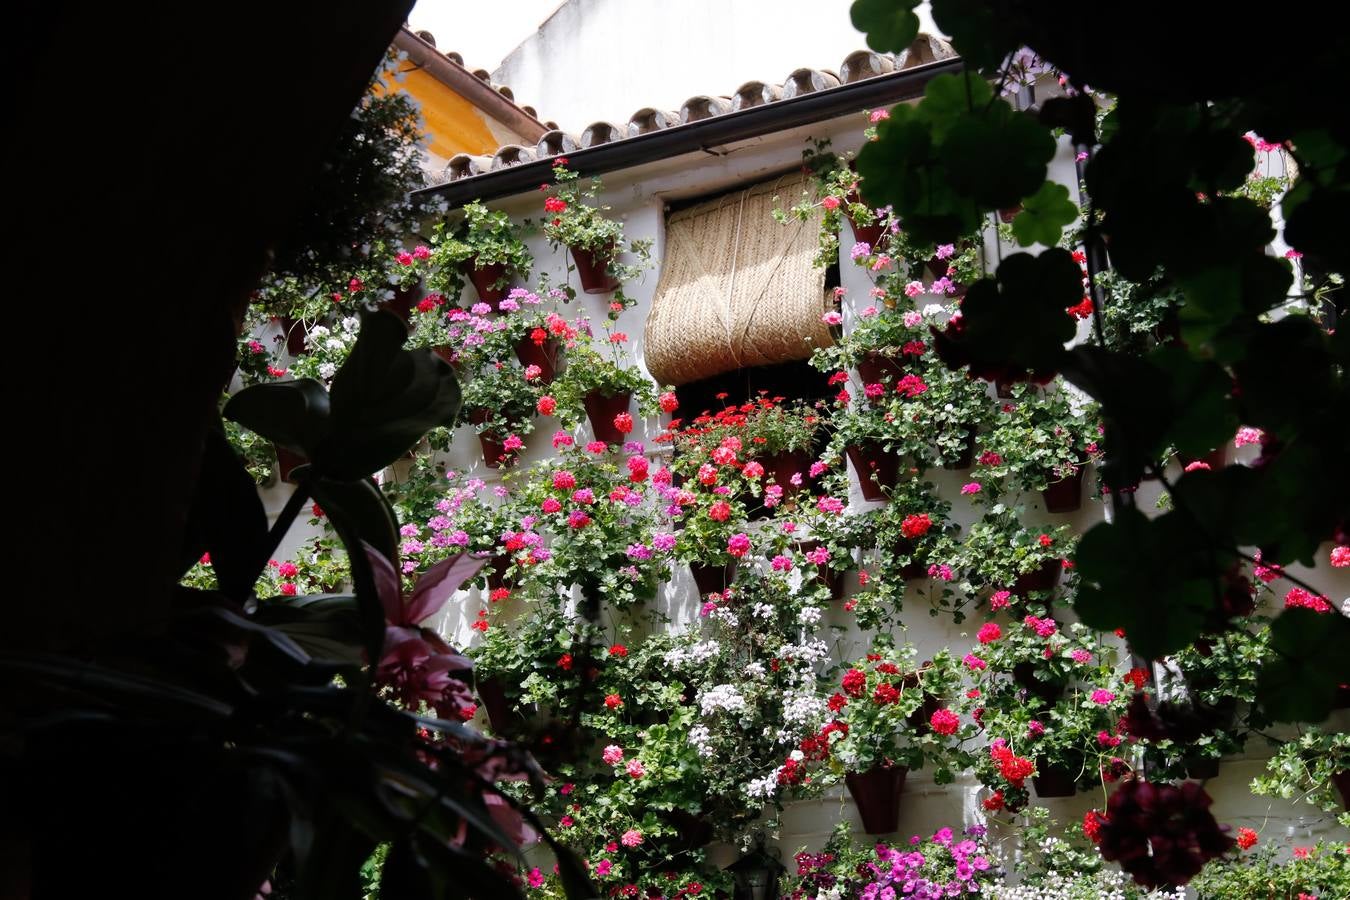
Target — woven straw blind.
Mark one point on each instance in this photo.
(737, 288)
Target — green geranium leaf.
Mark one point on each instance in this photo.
(290, 414)
(1044, 216)
(977, 32)
(1307, 661)
(890, 25)
(1019, 317)
(996, 155)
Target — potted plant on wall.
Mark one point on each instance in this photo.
(485, 247)
(1039, 441)
(882, 739)
(602, 383)
(573, 219)
(500, 403)
(1001, 554)
(1315, 766)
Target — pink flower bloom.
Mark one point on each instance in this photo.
(1102, 697)
(1300, 598)
(943, 572)
(1080, 156)
(868, 312)
(631, 838)
(404, 258)
(881, 262)
(1035, 729)
(999, 600)
(564, 481)
(874, 390)
(536, 878)
(989, 632)
(817, 468)
(1292, 254)
(738, 544)
(782, 563)
(421, 252)
(612, 755)
(532, 371)
(512, 443)
(878, 115)
(1247, 435)
(562, 439)
(565, 821)
(603, 868)
(832, 318)
(753, 470)
(913, 319)
(1340, 556)
(578, 519)
(945, 251)
(1198, 466)
(971, 488)
(830, 203)
(944, 721)
(1105, 739)
(584, 495)
(1081, 656)
(914, 289)
(819, 556)
(974, 663)
(830, 505)
(635, 768)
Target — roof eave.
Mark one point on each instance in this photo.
(805, 109)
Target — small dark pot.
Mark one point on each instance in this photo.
(967, 457)
(545, 356)
(1024, 673)
(920, 719)
(593, 269)
(1342, 700)
(1202, 769)
(1007, 215)
(877, 469)
(405, 299)
(876, 793)
(447, 354)
(496, 571)
(287, 462)
(1065, 495)
(871, 235)
(493, 694)
(601, 410)
(782, 466)
(915, 569)
(494, 451)
(295, 332)
(1043, 578)
(829, 577)
(483, 280)
(712, 579)
(694, 831)
(874, 366)
(1342, 782)
(1053, 781)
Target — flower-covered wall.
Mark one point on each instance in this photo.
(770, 619)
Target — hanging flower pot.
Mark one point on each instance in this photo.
(871, 235)
(1053, 781)
(1065, 495)
(1007, 215)
(825, 575)
(494, 451)
(878, 469)
(294, 331)
(966, 459)
(593, 269)
(712, 579)
(1042, 578)
(544, 355)
(483, 278)
(783, 466)
(601, 409)
(1024, 673)
(496, 571)
(876, 793)
(875, 366)
(693, 831)
(287, 462)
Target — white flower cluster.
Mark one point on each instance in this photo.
(810, 651)
(327, 370)
(805, 708)
(762, 610)
(724, 615)
(721, 697)
(763, 788)
(754, 669)
(810, 615)
(351, 324)
(694, 654)
(701, 738)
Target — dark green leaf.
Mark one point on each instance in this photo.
(361, 509)
(1044, 216)
(292, 414)
(997, 156)
(1306, 663)
(226, 519)
(890, 25)
(978, 34)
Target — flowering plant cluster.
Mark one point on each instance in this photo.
(1312, 767)
(944, 864)
(1317, 872)
(484, 239)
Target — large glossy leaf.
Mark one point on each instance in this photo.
(326, 626)
(384, 399)
(291, 414)
(1307, 661)
(438, 583)
(360, 508)
(226, 518)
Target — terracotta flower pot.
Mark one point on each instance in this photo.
(493, 694)
(966, 459)
(494, 451)
(496, 571)
(871, 235)
(287, 462)
(874, 366)
(447, 354)
(483, 280)
(1065, 495)
(877, 469)
(1053, 781)
(1042, 578)
(1024, 673)
(876, 793)
(1007, 215)
(712, 579)
(544, 355)
(921, 718)
(294, 331)
(593, 269)
(601, 410)
(826, 575)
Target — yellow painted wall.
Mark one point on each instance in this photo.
(453, 124)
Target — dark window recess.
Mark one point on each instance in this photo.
(792, 381)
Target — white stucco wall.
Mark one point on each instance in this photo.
(596, 60)
(638, 196)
